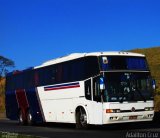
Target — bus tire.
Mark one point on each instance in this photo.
(81, 119)
(30, 118)
(21, 119)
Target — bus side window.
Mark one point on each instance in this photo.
(36, 78)
(10, 83)
(28, 79)
(49, 75)
(88, 89)
(91, 66)
(59, 74)
(19, 81)
(66, 73)
(96, 90)
(40, 80)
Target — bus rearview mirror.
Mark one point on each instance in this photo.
(101, 83)
(154, 84)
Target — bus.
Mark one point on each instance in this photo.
(95, 88)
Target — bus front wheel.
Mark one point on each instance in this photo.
(81, 119)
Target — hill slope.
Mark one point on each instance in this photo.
(153, 57)
(2, 89)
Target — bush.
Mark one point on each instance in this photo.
(2, 95)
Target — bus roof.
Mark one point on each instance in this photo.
(79, 55)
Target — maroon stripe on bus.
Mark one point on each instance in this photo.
(22, 99)
(62, 87)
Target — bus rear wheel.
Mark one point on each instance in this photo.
(81, 119)
(21, 118)
(29, 118)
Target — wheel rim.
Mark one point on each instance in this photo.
(29, 118)
(83, 118)
(20, 117)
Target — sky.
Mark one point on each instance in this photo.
(34, 31)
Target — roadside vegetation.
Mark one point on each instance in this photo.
(153, 57)
(5, 64)
(15, 135)
(2, 90)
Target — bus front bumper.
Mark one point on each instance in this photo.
(111, 118)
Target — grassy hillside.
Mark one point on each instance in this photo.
(153, 57)
(2, 89)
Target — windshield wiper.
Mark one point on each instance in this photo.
(121, 100)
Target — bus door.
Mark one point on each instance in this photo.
(97, 101)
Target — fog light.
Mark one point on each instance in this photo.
(149, 108)
(114, 118)
(150, 115)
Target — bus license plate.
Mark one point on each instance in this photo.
(132, 117)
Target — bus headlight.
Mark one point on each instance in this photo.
(149, 108)
(113, 110)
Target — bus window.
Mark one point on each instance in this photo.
(29, 79)
(36, 78)
(77, 70)
(59, 73)
(91, 66)
(19, 81)
(10, 83)
(88, 89)
(66, 72)
(96, 90)
(50, 75)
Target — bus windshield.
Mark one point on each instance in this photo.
(123, 63)
(122, 87)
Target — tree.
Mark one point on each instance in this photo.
(5, 64)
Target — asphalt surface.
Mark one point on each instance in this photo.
(54, 130)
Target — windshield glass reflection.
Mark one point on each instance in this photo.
(122, 87)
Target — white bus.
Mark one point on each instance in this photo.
(83, 88)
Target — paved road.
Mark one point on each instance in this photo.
(52, 130)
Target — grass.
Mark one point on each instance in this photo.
(15, 135)
(157, 102)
